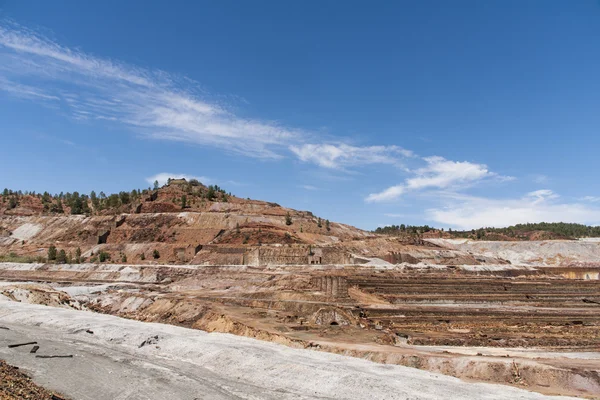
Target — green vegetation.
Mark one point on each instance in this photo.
(519, 231)
(327, 225)
(155, 254)
(61, 257)
(12, 257)
(94, 203)
(52, 253)
(103, 256)
(288, 218)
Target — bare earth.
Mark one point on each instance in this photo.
(124, 359)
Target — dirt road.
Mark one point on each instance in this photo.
(124, 359)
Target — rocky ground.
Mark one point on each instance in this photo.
(528, 327)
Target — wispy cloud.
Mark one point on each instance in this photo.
(309, 187)
(340, 156)
(591, 199)
(438, 173)
(154, 103)
(163, 178)
(395, 215)
(468, 212)
(540, 179)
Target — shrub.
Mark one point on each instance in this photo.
(103, 256)
(288, 219)
(155, 254)
(61, 258)
(52, 253)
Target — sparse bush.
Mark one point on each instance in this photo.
(155, 254)
(288, 218)
(13, 257)
(142, 256)
(52, 253)
(103, 256)
(124, 258)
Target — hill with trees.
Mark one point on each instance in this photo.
(529, 231)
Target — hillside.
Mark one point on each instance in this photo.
(190, 223)
(537, 231)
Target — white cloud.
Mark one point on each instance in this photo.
(339, 156)
(391, 193)
(395, 215)
(540, 178)
(591, 199)
(540, 196)
(163, 177)
(439, 173)
(153, 103)
(309, 187)
(442, 173)
(24, 91)
(466, 212)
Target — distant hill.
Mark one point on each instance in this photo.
(536, 231)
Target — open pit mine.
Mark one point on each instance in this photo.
(145, 301)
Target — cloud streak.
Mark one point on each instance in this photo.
(153, 103)
(341, 156)
(438, 173)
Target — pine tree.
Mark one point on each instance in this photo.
(52, 253)
(288, 218)
(61, 257)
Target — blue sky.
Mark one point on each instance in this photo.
(454, 114)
